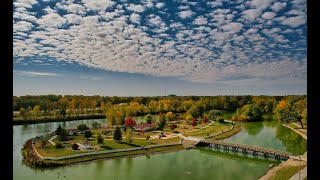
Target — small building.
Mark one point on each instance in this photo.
(144, 126)
(72, 132)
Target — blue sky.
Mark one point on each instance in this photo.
(148, 47)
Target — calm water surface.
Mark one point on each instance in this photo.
(192, 164)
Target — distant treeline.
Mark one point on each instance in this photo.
(44, 100)
(117, 109)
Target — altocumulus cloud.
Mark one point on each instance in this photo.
(203, 41)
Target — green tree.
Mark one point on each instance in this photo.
(87, 134)
(149, 118)
(304, 116)
(23, 113)
(213, 114)
(162, 123)
(82, 127)
(96, 125)
(117, 135)
(59, 145)
(220, 119)
(75, 146)
(63, 135)
(58, 131)
(99, 139)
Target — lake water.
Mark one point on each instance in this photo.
(195, 164)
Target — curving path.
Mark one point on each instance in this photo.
(50, 140)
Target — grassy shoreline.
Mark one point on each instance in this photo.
(37, 162)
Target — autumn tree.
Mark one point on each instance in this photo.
(129, 136)
(36, 111)
(194, 122)
(130, 122)
(63, 104)
(103, 106)
(170, 116)
(205, 119)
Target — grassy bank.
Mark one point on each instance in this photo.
(19, 121)
(230, 133)
(286, 172)
(52, 163)
(214, 128)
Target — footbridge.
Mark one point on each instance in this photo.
(235, 147)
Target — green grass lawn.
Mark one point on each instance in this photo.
(214, 128)
(118, 154)
(109, 144)
(286, 172)
(227, 134)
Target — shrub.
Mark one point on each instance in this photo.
(100, 139)
(96, 125)
(148, 137)
(205, 119)
(87, 134)
(59, 145)
(75, 146)
(194, 123)
(82, 127)
(220, 119)
(43, 143)
(175, 132)
(173, 126)
(149, 118)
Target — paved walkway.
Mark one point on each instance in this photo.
(302, 175)
(50, 140)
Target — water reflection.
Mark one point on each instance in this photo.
(252, 128)
(293, 142)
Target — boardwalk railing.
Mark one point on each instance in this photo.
(255, 149)
(109, 151)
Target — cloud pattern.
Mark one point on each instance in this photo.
(198, 41)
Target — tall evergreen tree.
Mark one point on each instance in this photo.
(117, 136)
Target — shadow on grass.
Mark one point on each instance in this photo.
(106, 147)
(134, 145)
